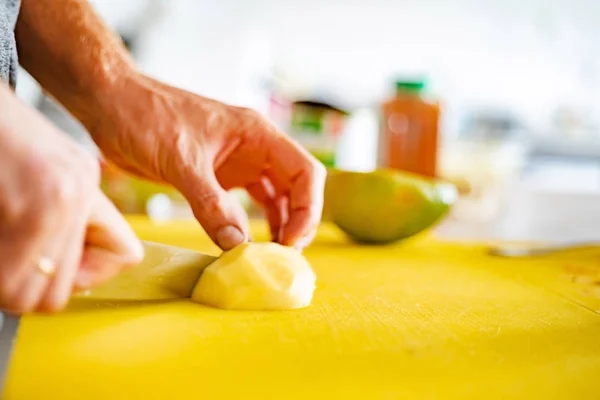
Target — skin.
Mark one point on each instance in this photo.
(51, 206)
(200, 146)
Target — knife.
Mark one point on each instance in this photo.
(8, 334)
(166, 272)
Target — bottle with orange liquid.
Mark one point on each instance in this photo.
(408, 138)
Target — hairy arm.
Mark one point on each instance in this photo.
(67, 48)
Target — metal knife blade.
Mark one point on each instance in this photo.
(8, 336)
(167, 272)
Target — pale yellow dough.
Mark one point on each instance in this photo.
(257, 276)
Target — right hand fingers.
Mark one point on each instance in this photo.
(220, 214)
(301, 178)
(275, 206)
(293, 172)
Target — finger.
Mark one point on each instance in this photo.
(61, 247)
(277, 215)
(303, 219)
(58, 290)
(21, 247)
(220, 214)
(302, 177)
(19, 256)
(107, 229)
(110, 244)
(97, 266)
(306, 240)
(28, 294)
(275, 207)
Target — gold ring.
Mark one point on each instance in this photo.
(46, 266)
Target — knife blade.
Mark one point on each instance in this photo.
(8, 334)
(166, 272)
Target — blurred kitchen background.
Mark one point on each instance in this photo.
(517, 83)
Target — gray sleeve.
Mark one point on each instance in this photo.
(9, 11)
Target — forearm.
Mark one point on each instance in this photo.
(74, 56)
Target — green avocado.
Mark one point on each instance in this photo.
(385, 206)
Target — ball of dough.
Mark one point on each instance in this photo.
(257, 276)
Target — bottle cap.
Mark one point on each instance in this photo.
(413, 86)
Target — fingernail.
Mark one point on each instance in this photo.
(302, 243)
(229, 236)
(305, 241)
(138, 251)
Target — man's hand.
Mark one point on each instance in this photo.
(200, 146)
(52, 212)
(204, 148)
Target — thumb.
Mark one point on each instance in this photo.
(220, 213)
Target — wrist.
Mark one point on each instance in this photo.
(122, 107)
(89, 96)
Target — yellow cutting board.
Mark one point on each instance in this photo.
(419, 320)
